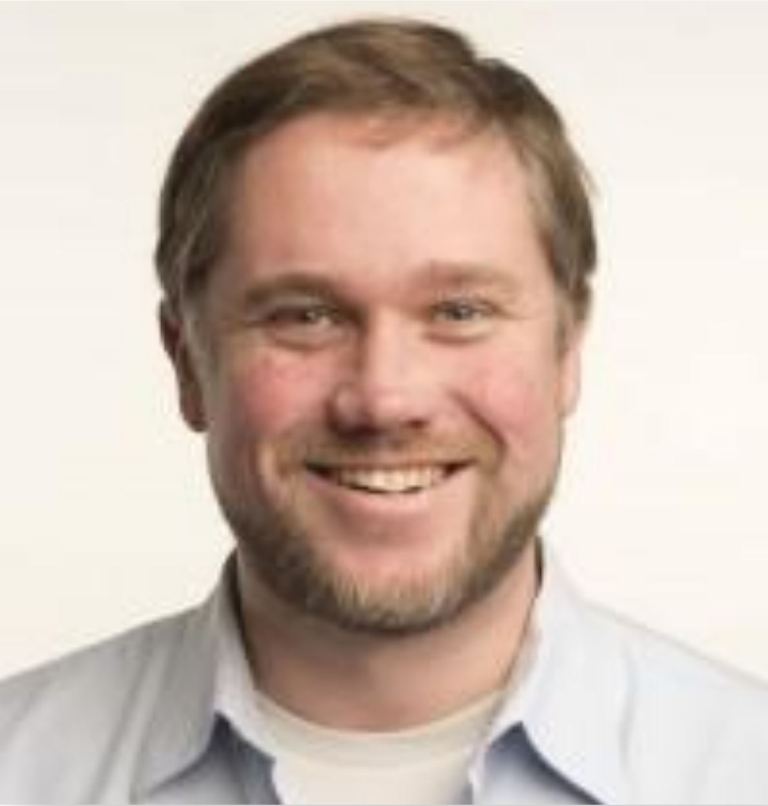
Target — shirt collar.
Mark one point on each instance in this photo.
(571, 699)
(184, 719)
(207, 677)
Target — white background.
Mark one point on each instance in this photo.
(106, 517)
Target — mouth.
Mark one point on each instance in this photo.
(402, 480)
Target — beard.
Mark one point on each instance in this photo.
(276, 544)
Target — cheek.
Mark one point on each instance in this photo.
(264, 396)
(518, 401)
(256, 403)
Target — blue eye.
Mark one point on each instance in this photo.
(302, 315)
(463, 319)
(303, 325)
(462, 310)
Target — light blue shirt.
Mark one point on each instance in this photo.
(607, 713)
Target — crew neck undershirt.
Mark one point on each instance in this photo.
(426, 764)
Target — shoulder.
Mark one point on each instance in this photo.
(72, 713)
(666, 669)
(99, 672)
(633, 716)
(687, 718)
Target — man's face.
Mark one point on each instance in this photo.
(380, 372)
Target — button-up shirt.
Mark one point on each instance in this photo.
(606, 712)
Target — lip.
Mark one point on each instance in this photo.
(360, 502)
(383, 464)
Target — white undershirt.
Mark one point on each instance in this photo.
(423, 765)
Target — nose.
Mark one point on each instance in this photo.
(388, 383)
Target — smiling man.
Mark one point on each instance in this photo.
(381, 367)
(375, 251)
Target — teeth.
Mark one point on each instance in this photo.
(390, 481)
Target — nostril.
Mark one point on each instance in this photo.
(364, 407)
(320, 470)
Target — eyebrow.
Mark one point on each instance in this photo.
(299, 283)
(465, 276)
(434, 276)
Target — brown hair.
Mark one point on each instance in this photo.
(390, 66)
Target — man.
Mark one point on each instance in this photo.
(375, 252)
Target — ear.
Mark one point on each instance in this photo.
(177, 347)
(570, 367)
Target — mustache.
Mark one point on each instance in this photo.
(386, 447)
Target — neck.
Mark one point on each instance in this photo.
(356, 681)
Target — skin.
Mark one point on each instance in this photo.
(384, 302)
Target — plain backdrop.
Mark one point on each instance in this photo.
(106, 516)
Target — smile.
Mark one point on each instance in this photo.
(387, 481)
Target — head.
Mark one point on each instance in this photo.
(375, 251)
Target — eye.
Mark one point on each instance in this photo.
(461, 310)
(303, 324)
(307, 315)
(463, 318)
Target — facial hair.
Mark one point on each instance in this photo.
(279, 549)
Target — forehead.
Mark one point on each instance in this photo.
(373, 200)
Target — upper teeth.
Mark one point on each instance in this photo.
(390, 481)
